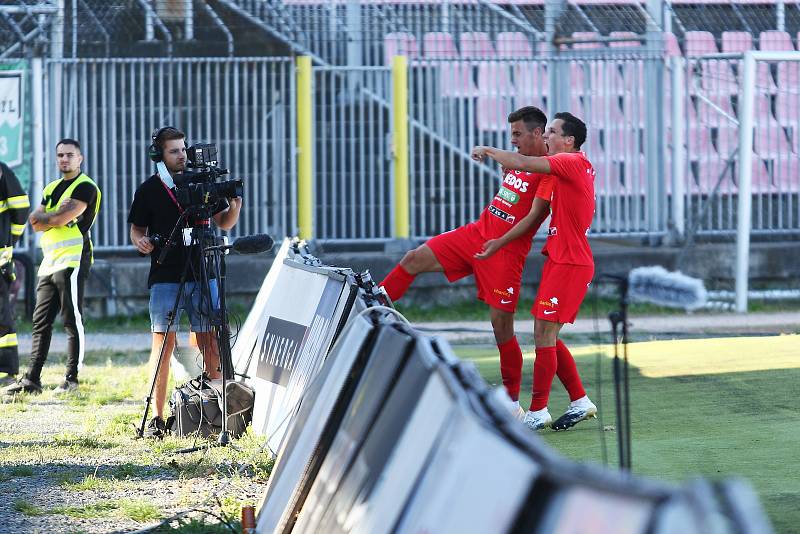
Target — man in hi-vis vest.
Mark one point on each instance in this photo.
(68, 211)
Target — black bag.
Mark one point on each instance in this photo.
(197, 408)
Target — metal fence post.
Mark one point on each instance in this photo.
(400, 148)
(305, 148)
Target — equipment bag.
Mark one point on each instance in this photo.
(197, 408)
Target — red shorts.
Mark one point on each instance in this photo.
(561, 291)
(498, 277)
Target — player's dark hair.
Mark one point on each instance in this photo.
(68, 141)
(532, 116)
(168, 134)
(573, 126)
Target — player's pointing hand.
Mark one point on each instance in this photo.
(479, 152)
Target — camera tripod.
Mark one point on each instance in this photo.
(205, 246)
(621, 381)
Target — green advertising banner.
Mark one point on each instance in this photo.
(14, 120)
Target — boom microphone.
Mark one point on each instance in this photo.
(673, 289)
(252, 244)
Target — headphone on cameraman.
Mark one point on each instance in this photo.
(154, 151)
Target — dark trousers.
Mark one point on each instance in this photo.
(9, 355)
(62, 291)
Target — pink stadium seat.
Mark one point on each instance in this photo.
(439, 45)
(769, 140)
(788, 71)
(531, 80)
(671, 46)
(742, 42)
(399, 44)
(785, 173)
(700, 43)
(787, 107)
(477, 45)
(586, 36)
(708, 171)
(737, 41)
(698, 139)
(456, 77)
(492, 113)
(513, 44)
(774, 40)
(494, 78)
(624, 44)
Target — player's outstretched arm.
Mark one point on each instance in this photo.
(539, 211)
(512, 160)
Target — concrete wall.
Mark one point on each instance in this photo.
(118, 285)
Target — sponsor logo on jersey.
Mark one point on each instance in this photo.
(516, 182)
(502, 293)
(548, 303)
(497, 212)
(554, 300)
(505, 301)
(510, 290)
(508, 195)
(553, 230)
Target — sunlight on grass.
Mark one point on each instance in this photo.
(24, 507)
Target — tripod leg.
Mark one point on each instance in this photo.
(618, 398)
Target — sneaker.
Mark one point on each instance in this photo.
(518, 412)
(67, 386)
(578, 410)
(156, 428)
(537, 420)
(23, 385)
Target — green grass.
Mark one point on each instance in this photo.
(115, 473)
(717, 423)
(474, 310)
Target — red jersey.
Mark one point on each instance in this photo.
(511, 203)
(572, 209)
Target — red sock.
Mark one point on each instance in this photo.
(568, 373)
(511, 366)
(544, 369)
(397, 282)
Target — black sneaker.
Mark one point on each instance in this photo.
(69, 385)
(23, 385)
(156, 429)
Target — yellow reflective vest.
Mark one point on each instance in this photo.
(63, 245)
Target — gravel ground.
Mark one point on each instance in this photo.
(51, 445)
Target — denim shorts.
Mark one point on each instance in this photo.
(162, 299)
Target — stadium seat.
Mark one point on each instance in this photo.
(477, 45)
(439, 45)
(785, 173)
(706, 172)
(700, 43)
(698, 141)
(494, 77)
(671, 46)
(492, 113)
(788, 76)
(513, 45)
(399, 44)
(456, 76)
(624, 44)
(769, 140)
(736, 41)
(742, 42)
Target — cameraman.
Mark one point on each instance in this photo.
(156, 211)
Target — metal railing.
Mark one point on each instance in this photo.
(244, 105)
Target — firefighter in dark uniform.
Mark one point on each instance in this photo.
(14, 209)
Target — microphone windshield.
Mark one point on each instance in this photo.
(253, 244)
(658, 286)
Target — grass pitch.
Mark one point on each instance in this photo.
(712, 407)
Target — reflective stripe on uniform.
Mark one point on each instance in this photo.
(18, 202)
(49, 247)
(8, 340)
(17, 229)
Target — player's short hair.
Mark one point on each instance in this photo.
(168, 134)
(69, 141)
(573, 126)
(532, 116)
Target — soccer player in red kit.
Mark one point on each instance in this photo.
(569, 266)
(494, 247)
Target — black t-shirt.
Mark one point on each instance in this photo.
(153, 209)
(85, 192)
